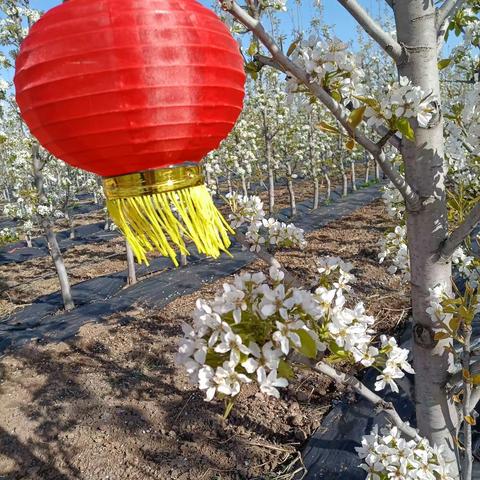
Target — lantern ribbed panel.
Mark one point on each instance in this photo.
(119, 86)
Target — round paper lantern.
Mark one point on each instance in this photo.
(137, 91)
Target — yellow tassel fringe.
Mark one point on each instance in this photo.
(148, 223)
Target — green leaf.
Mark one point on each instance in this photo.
(405, 128)
(285, 370)
(336, 96)
(444, 63)
(356, 116)
(252, 49)
(252, 69)
(325, 127)
(309, 347)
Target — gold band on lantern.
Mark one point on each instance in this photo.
(149, 182)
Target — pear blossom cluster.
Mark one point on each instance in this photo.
(394, 248)
(248, 332)
(274, 4)
(401, 100)
(394, 203)
(8, 235)
(328, 63)
(467, 266)
(436, 310)
(388, 456)
(262, 231)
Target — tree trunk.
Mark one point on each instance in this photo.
(352, 176)
(229, 183)
(28, 239)
(344, 179)
(427, 228)
(367, 167)
(329, 187)
(377, 171)
(71, 224)
(316, 192)
(132, 275)
(50, 234)
(244, 186)
(271, 177)
(291, 193)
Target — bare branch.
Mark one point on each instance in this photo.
(412, 200)
(386, 41)
(447, 11)
(455, 239)
(381, 405)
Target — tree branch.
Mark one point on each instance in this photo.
(412, 200)
(393, 140)
(455, 239)
(386, 41)
(381, 405)
(448, 10)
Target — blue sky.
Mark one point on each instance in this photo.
(334, 14)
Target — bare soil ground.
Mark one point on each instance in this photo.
(22, 283)
(112, 404)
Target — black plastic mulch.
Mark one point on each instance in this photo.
(330, 452)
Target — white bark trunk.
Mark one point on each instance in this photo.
(377, 172)
(132, 275)
(367, 167)
(244, 186)
(55, 252)
(353, 178)
(271, 176)
(291, 192)
(344, 179)
(316, 192)
(427, 228)
(329, 187)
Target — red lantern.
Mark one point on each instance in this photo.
(137, 91)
